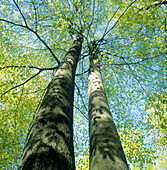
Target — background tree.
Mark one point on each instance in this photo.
(131, 38)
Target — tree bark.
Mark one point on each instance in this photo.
(106, 151)
(49, 144)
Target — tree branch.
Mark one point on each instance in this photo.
(116, 22)
(79, 74)
(37, 35)
(81, 96)
(131, 63)
(20, 12)
(81, 112)
(22, 83)
(33, 67)
(36, 20)
(156, 3)
(133, 74)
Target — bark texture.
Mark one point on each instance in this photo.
(49, 144)
(106, 151)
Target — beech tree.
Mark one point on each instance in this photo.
(49, 142)
(131, 40)
(105, 146)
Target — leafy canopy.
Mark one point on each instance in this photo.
(132, 44)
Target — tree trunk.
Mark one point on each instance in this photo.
(106, 151)
(49, 144)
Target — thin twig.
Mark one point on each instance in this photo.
(21, 13)
(81, 112)
(133, 74)
(79, 74)
(81, 97)
(116, 22)
(36, 20)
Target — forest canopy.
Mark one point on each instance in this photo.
(131, 37)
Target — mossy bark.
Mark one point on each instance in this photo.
(49, 144)
(106, 151)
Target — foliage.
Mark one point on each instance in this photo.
(160, 162)
(134, 146)
(156, 110)
(83, 162)
(132, 43)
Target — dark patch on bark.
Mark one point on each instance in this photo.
(34, 162)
